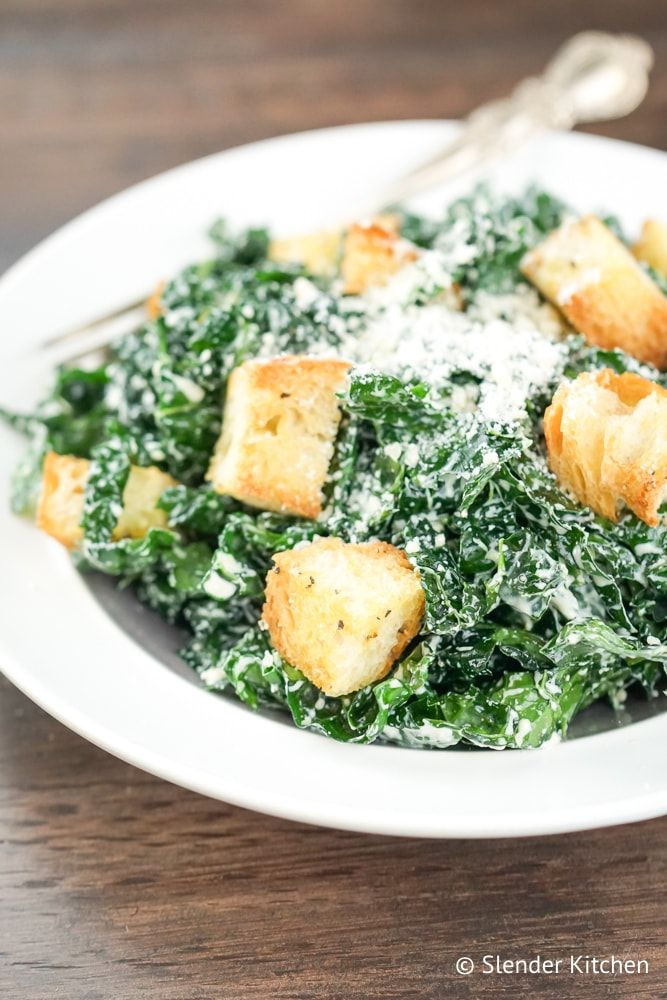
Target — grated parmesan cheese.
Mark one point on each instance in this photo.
(510, 343)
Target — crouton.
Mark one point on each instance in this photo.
(599, 286)
(606, 438)
(651, 248)
(143, 489)
(318, 252)
(389, 221)
(341, 613)
(280, 423)
(371, 255)
(61, 502)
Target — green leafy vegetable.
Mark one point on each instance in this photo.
(535, 607)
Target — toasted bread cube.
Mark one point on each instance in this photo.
(143, 489)
(318, 252)
(651, 247)
(61, 502)
(341, 613)
(278, 433)
(604, 293)
(606, 438)
(372, 254)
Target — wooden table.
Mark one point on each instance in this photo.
(114, 884)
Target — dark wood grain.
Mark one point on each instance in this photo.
(115, 884)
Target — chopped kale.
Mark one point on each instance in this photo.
(535, 606)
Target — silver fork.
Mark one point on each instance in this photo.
(593, 77)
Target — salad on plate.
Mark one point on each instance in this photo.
(405, 481)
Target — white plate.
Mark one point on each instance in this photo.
(66, 652)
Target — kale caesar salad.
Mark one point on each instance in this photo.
(405, 481)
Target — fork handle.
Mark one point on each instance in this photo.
(595, 76)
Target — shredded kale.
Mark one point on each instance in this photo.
(535, 606)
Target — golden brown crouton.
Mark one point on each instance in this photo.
(342, 614)
(651, 248)
(143, 489)
(606, 440)
(588, 273)
(280, 423)
(61, 502)
(318, 252)
(371, 255)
